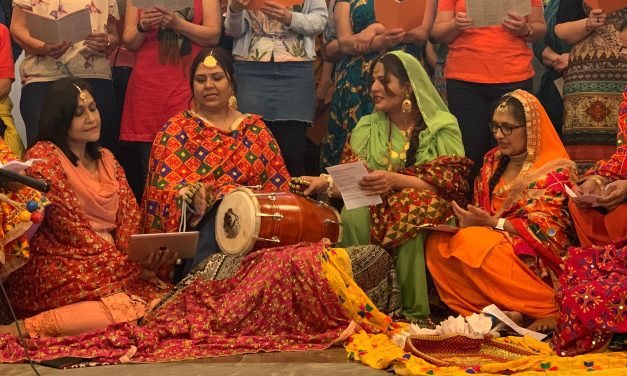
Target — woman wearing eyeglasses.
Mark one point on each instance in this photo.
(509, 249)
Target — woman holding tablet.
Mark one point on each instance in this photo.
(79, 276)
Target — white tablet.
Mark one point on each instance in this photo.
(183, 243)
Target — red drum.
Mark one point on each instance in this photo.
(248, 220)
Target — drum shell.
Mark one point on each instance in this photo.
(302, 220)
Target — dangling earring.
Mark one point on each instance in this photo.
(233, 103)
(406, 105)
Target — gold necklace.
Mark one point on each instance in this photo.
(518, 160)
(393, 154)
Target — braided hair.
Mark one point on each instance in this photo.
(515, 108)
(414, 141)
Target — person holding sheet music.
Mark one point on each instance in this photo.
(165, 43)
(361, 40)
(482, 64)
(598, 265)
(594, 81)
(79, 277)
(274, 51)
(44, 63)
(510, 248)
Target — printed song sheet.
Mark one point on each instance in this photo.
(592, 200)
(74, 27)
(496, 312)
(492, 12)
(167, 4)
(346, 177)
(394, 14)
(257, 4)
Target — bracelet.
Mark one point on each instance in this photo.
(329, 191)
(599, 182)
(108, 41)
(529, 31)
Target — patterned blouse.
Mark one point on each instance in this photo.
(188, 150)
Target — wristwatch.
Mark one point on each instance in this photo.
(500, 224)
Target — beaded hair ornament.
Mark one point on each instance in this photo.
(81, 93)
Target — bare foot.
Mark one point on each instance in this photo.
(516, 317)
(543, 325)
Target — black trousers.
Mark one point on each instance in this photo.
(292, 139)
(472, 104)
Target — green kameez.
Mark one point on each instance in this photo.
(369, 141)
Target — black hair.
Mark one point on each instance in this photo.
(224, 59)
(393, 65)
(58, 112)
(623, 25)
(518, 112)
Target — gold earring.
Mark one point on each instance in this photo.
(406, 105)
(233, 103)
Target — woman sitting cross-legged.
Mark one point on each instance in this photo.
(413, 146)
(79, 276)
(510, 248)
(205, 152)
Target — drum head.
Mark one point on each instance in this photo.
(237, 225)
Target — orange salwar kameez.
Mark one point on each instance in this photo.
(479, 266)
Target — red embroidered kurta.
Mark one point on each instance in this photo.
(69, 261)
(188, 150)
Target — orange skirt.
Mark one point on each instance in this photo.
(477, 267)
(598, 229)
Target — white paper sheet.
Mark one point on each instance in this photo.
(74, 27)
(492, 12)
(496, 312)
(593, 200)
(167, 4)
(346, 177)
(18, 166)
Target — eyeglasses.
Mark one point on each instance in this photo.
(506, 129)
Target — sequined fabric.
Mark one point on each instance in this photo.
(592, 296)
(70, 262)
(291, 298)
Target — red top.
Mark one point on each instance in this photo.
(7, 69)
(156, 92)
(488, 55)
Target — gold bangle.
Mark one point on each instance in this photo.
(599, 182)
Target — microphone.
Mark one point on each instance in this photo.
(28, 181)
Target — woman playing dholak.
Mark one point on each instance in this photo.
(412, 145)
(205, 152)
(512, 240)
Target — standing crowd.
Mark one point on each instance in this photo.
(150, 122)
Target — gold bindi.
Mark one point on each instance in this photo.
(81, 93)
(210, 61)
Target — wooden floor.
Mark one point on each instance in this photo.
(330, 362)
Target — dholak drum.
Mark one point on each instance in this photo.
(248, 220)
